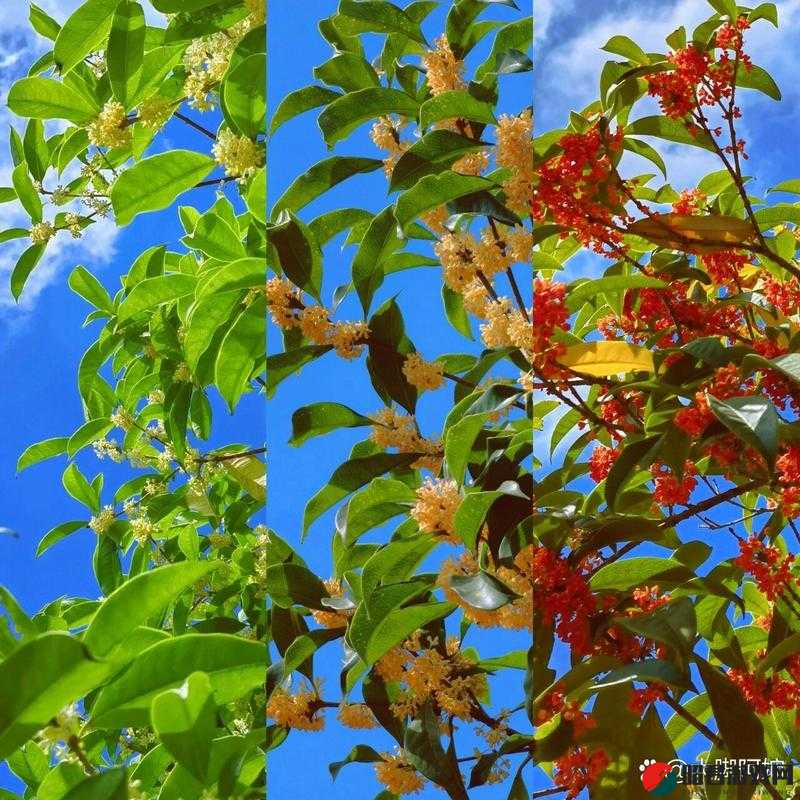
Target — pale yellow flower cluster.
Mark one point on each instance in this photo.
(103, 448)
(42, 232)
(396, 430)
(506, 327)
(155, 111)
(121, 418)
(472, 163)
(103, 521)
(66, 724)
(111, 128)
(73, 223)
(436, 506)
(515, 153)
(239, 155)
(398, 776)
(386, 136)
(424, 375)
(444, 69)
(287, 311)
(143, 529)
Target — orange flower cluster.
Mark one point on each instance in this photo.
(772, 570)
(517, 615)
(576, 189)
(726, 383)
(427, 673)
(670, 490)
(549, 315)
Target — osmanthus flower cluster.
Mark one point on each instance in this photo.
(666, 379)
(171, 509)
(433, 544)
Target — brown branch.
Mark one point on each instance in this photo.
(192, 124)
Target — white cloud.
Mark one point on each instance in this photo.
(20, 46)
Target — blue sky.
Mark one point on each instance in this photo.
(295, 474)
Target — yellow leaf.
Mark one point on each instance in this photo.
(251, 473)
(693, 234)
(603, 359)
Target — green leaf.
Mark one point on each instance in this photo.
(379, 16)
(629, 573)
(58, 533)
(37, 151)
(83, 33)
(470, 516)
(423, 748)
(482, 591)
(436, 190)
(349, 477)
(455, 312)
(41, 451)
(455, 104)
(109, 785)
(383, 499)
(185, 721)
(244, 96)
(592, 289)
(154, 183)
(300, 101)
(322, 176)
(669, 129)
(635, 455)
(674, 625)
(217, 239)
(235, 666)
(388, 348)
(150, 293)
(251, 474)
(283, 365)
(766, 11)
(348, 71)
(379, 242)
(318, 419)
(137, 600)
(627, 48)
(299, 254)
(738, 725)
(43, 23)
(79, 488)
(753, 419)
(244, 273)
(26, 192)
(382, 633)
(293, 584)
(346, 113)
(125, 51)
(44, 98)
(759, 79)
(89, 432)
(37, 680)
(645, 151)
(86, 285)
(435, 152)
(241, 350)
(360, 754)
(24, 267)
